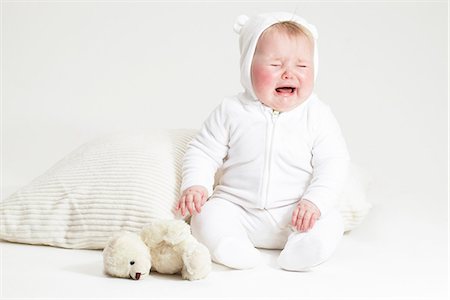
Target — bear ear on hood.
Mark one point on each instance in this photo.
(240, 22)
(281, 16)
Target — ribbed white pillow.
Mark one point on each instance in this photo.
(114, 183)
(353, 203)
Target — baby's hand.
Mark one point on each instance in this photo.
(192, 199)
(305, 215)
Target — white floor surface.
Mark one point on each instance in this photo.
(397, 253)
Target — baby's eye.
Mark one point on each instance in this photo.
(302, 66)
(275, 65)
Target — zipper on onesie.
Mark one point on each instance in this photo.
(268, 157)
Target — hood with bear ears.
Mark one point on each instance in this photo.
(250, 29)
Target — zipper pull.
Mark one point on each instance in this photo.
(275, 114)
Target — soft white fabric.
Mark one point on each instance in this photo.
(234, 245)
(114, 183)
(309, 249)
(235, 253)
(269, 160)
(250, 29)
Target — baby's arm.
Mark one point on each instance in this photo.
(330, 163)
(204, 155)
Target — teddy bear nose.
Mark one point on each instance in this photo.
(138, 275)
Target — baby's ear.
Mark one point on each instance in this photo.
(240, 22)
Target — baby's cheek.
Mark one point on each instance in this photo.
(308, 82)
(261, 77)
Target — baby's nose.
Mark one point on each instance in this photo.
(287, 74)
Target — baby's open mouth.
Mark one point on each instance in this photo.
(285, 90)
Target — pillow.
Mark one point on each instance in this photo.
(352, 202)
(114, 183)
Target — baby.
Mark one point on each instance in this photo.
(280, 153)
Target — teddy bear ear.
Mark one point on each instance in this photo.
(112, 240)
(240, 22)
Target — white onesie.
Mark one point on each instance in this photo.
(268, 161)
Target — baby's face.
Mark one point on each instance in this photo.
(282, 70)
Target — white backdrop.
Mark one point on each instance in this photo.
(74, 70)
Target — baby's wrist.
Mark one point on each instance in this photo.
(196, 189)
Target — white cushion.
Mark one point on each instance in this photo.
(353, 203)
(113, 183)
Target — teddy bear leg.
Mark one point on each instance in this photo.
(196, 263)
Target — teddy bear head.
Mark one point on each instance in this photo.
(126, 255)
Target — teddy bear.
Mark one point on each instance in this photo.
(169, 248)
(174, 249)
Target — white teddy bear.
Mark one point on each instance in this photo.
(174, 249)
(169, 248)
